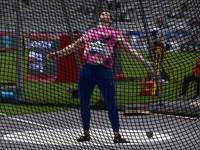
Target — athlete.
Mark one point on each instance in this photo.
(99, 45)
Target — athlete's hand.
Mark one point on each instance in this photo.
(51, 56)
(150, 66)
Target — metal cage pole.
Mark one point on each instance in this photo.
(198, 7)
(66, 17)
(199, 112)
(150, 51)
(19, 63)
(98, 13)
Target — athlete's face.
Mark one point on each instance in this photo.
(105, 18)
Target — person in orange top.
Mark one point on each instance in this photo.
(193, 77)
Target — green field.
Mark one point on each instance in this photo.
(126, 92)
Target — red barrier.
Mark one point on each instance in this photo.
(148, 89)
(45, 36)
(67, 65)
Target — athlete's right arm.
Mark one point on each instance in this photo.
(67, 50)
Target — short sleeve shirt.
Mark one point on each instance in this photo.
(100, 44)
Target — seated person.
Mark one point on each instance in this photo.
(193, 77)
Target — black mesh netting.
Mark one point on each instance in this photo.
(69, 68)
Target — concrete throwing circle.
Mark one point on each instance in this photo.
(99, 137)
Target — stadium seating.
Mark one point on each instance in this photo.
(35, 16)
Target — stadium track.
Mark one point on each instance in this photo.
(59, 130)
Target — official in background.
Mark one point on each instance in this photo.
(158, 41)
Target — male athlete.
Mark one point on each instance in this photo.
(99, 45)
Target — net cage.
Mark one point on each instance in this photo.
(99, 74)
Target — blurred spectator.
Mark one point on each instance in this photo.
(183, 7)
(171, 15)
(193, 21)
(124, 15)
(181, 14)
(130, 8)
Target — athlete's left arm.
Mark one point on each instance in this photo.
(125, 46)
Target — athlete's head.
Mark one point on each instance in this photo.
(105, 19)
(159, 22)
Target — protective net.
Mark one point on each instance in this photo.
(126, 72)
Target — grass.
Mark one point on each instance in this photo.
(10, 109)
(182, 64)
(126, 92)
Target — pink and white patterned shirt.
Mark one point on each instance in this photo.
(99, 45)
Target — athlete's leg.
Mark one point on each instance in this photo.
(106, 85)
(86, 86)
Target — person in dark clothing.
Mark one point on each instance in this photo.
(193, 77)
(158, 42)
